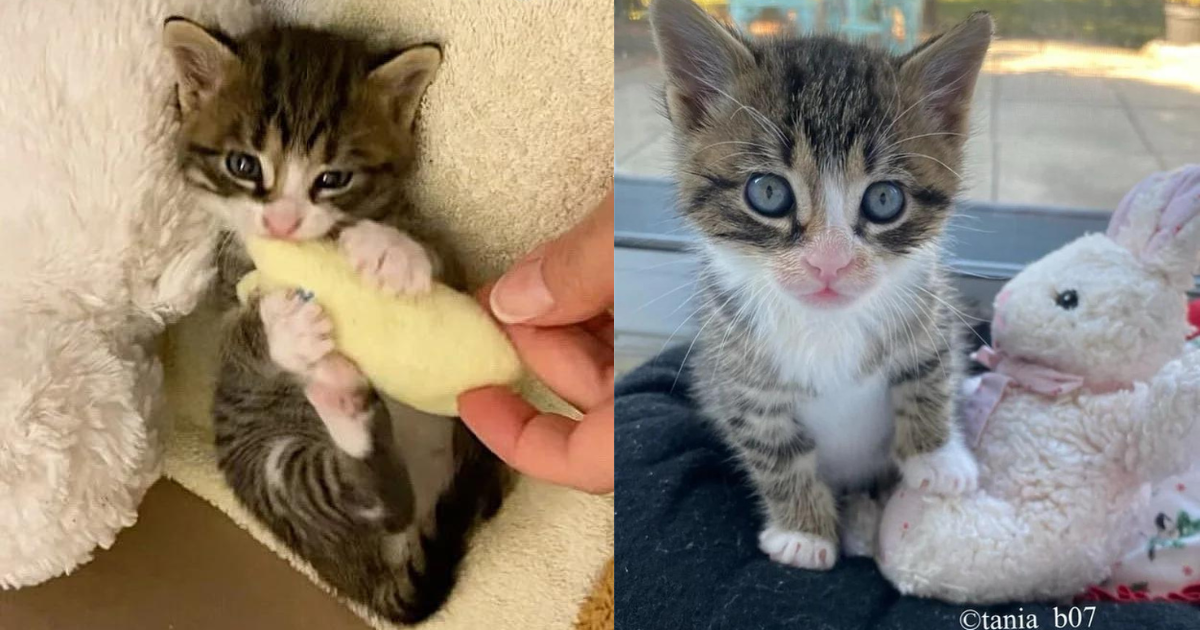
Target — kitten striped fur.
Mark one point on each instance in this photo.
(313, 457)
(829, 349)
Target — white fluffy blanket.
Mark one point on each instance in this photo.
(97, 254)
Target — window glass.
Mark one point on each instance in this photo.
(1079, 99)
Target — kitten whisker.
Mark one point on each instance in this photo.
(697, 336)
(946, 88)
(756, 145)
(929, 157)
(923, 135)
(665, 264)
(931, 316)
(668, 293)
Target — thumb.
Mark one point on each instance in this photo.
(564, 281)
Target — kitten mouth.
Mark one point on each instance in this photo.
(824, 297)
(820, 295)
(827, 297)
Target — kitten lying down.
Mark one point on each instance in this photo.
(298, 134)
(820, 175)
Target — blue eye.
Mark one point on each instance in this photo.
(769, 195)
(883, 202)
(330, 180)
(243, 166)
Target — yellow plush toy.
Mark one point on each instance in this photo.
(420, 350)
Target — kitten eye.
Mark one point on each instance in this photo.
(769, 195)
(1067, 300)
(883, 202)
(332, 180)
(243, 166)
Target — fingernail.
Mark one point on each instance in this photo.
(521, 294)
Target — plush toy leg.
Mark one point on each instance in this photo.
(979, 549)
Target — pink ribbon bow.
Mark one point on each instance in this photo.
(1005, 371)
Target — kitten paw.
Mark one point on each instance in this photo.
(298, 332)
(388, 256)
(949, 470)
(798, 549)
(338, 393)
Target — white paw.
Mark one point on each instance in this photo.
(298, 332)
(798, 549)
(387, 256)
(949, 470)
(338, 393)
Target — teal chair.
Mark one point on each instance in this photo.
(874, 20)
(743, 12)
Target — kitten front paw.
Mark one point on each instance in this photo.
(798, 549)
(388, 256)
(947, 471)
(299, 334)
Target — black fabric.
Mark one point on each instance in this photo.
(687, 550)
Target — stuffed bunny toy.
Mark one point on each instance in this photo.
(1091, 398)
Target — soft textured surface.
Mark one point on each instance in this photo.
(1065, 474)
(97, 254)
(687, 554)
(516, 144)
(598, 611)
(1164, 560)
(421, 350)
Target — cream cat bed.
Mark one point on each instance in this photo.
(100, 251)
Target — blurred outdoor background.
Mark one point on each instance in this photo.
(1079, 99)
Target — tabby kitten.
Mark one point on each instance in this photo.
(820, 174)
(298, 134)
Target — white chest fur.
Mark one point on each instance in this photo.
(850, 418)
(853, 429)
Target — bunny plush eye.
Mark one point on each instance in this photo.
(1067, 300)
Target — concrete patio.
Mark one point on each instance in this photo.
(1054, 124)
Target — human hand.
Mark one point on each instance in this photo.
(556, 307)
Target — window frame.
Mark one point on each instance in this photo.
(988, 243)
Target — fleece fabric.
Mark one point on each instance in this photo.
(99, 251)
(688, 555)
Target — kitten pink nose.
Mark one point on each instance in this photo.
(281, 218)
(827, 262)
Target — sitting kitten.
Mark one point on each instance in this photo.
(820, 174)
(299, 134)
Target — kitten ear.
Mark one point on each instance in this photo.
(944, 70)
(402, 81)
(701, 58)
(202, 60)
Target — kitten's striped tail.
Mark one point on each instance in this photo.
(422, 577)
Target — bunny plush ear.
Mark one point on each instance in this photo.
(1159, 221)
